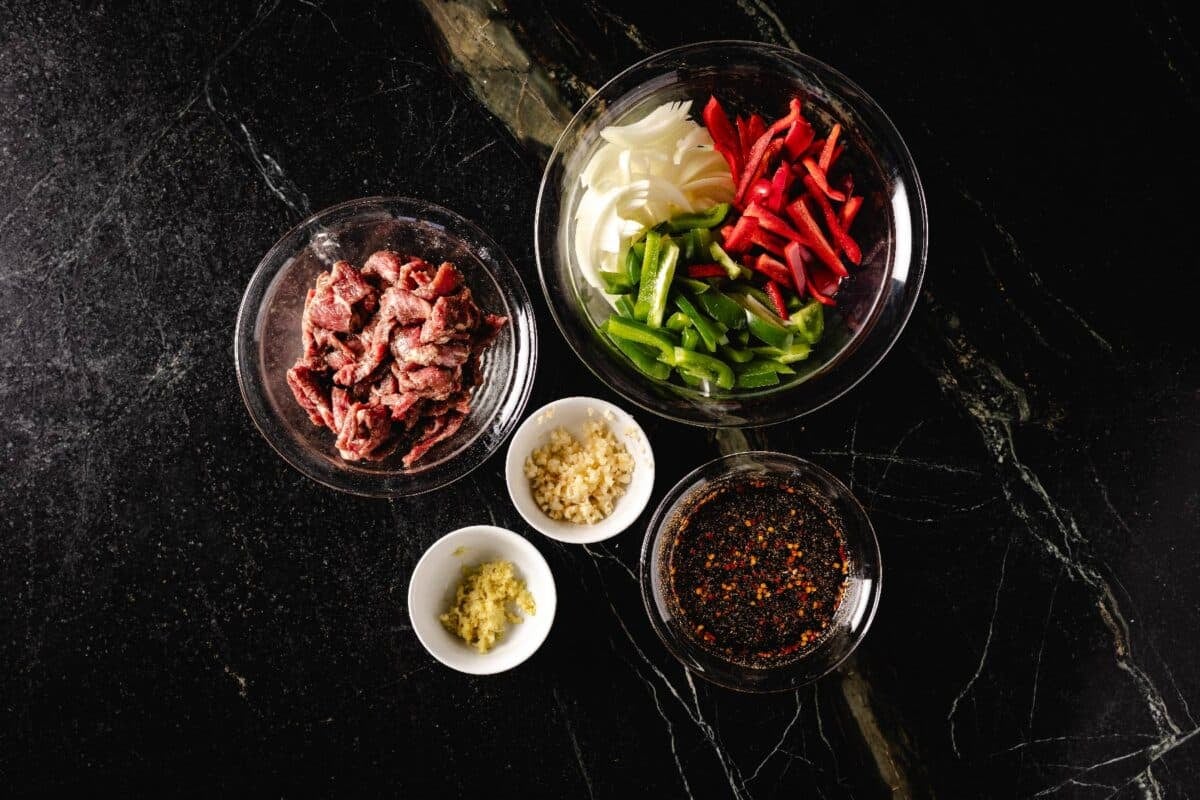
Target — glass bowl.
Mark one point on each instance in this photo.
(873, 306)
(267, 339)
(853, 617)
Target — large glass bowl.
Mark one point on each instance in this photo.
(853, 616)
(873, 306)
(267, 339)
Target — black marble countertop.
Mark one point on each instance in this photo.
(183, 613)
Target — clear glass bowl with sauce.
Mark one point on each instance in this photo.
(816, 492)
(267, 339)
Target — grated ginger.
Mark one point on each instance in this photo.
(481, 609)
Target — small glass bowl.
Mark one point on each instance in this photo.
(854, 614)
(873, 305)
(267, 339)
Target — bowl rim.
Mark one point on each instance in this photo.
(515, 542)
(676, 492)
(915, 273)
(260, 278)
(588, 534)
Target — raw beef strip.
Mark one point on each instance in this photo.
(348, 284)
(364, 431)
(371, 358)
(404, 407)
(451, 315)
(489, 329)
(327, 310)
(445, 281)
(435, 383)
(341, 403)
(403, 306)
(404, 340)
(453, 354)
(439, 429)
(385, 265)
(309, 394)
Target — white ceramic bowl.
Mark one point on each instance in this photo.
(437, 575)
(572, 413)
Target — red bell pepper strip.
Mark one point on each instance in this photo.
(827, 151)
(794, 253)
(837, 153)
(756, 161)
(777, 298)
(842, 239)
(755, 128)
(738, 239)
(768, 241)
(850, 211)
(725, 138)
(744, 141)
(760, 191)
(814, 149)
(774, 224)
(823, 299)
(756, 166)
(798, 138)
(818, 175)
(803, 218)
(781, 181)
(702, 271)
(822, 284)
(774, 269)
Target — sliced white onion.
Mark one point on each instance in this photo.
(644, 173)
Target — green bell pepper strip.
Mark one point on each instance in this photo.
(707, 219)
(629, 330)
(809, 322)
(735, 354)
(704, 366)
(650, 259)
(761, 364)
(692, 285)
(742, 337)
(722, 309)
(687, 246)
(643, 358)
(691, 380)
(763, 323)
(633, 261)
(734, 270)
(678, 321)
(756, 380)
(655, 290)
(691, 339)
(625, 306)
(753, 291)
(797, 352)
(616, 282)
(704, 326)
(696, 243)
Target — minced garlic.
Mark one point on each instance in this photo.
(578, 481)
(481, 604)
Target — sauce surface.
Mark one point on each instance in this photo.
(756, 568)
